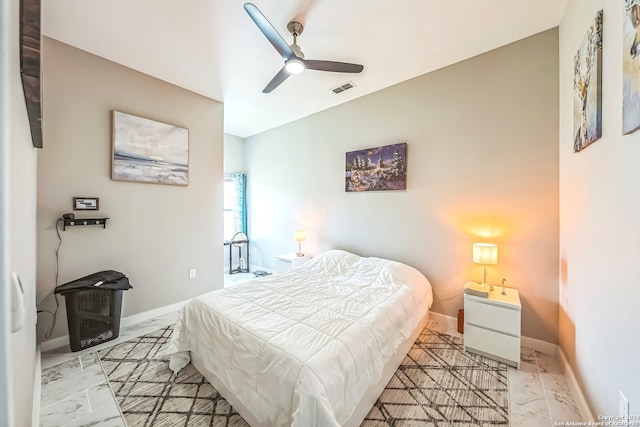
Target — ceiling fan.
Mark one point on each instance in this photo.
(294, 62)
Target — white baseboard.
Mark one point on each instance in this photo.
(125, 321)
(450, 322)
(451, 325)
(581, 402)
(37, 388)
(533, 343)
(539, 345)
(54, 343)
(156, 312)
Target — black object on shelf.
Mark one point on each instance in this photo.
(72, 222)
(94, 306)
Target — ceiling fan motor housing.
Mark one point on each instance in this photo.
(295, 28)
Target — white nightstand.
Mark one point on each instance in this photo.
(289, 261)
(492, 325)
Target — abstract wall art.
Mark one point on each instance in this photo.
(149, 151)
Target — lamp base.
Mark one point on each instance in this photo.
(484, 280)
(488, 285)
(299, 254)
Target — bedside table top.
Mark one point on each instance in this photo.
(511, 299)
(292, 256)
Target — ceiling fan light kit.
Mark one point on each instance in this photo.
(294, 66)
(294, 61)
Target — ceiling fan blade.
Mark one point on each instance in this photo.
(269, 32)
(337, 67)
(282, 75)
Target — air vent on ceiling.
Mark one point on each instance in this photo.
(344, 86)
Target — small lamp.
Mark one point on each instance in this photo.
(300, 236)
(485, 253)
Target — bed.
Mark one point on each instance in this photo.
(314, 346)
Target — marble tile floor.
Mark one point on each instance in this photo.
(75, 391)
(539, 394)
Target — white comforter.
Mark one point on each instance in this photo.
(301, 348)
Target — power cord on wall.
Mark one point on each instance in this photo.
(54, 314)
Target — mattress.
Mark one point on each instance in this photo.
(301, 348)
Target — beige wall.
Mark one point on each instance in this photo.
(599, 227)
(482, 166)
(18, 219)
(155, 233)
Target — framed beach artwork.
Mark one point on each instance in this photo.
(145, 150)
(587, 88)
(377, 169)
(631, 67)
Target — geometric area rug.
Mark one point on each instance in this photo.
(438, 384)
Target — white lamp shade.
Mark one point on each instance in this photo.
(300, 235)
(485, 253)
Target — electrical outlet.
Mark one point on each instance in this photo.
(192, 273)
(623, 406)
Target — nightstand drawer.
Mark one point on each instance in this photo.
(289, 261)
(503, 346)
(485, 314)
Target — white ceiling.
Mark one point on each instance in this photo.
(212, 47)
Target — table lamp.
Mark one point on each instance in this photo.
(485, 253)
(300, 236)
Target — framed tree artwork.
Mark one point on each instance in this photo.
(587, 88)
(631, 67)
(377, 169)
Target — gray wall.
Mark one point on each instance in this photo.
(18, 218)
(155, 233)
(233, 163)
(482, 141)
(599, 227)
(233, 153)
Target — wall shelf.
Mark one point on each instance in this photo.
(82, 222)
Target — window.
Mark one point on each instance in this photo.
(235, 206)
